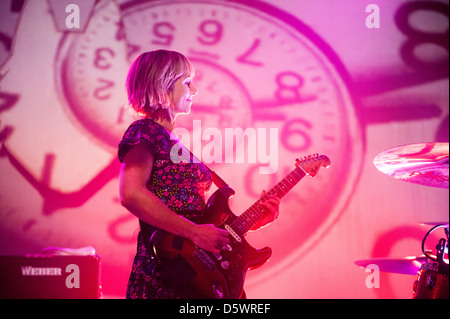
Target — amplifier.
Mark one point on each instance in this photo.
(50, 277)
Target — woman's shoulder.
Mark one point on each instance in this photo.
(144, 131)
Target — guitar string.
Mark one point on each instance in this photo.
(255, 212)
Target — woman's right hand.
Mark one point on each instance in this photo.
(145, 205)
(210, 238)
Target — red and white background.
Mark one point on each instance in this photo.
(348, 79)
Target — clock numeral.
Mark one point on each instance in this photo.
(418, 37)
(7, 101)
(120, 33)
(289, 85)
(244, 58)
(294, 135)
(121, 114)
(102, 57)
(164, 32)
(211, 31)
(100, 92)
(103, 60)
(15, 7)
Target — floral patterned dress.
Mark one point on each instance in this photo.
(180, 185)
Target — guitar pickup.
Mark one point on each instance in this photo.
(233, 233)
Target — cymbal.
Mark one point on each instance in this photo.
(423, 163)
(407, 265)
(446, 224)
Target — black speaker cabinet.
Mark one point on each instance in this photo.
(50, 277)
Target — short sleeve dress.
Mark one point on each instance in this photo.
(181, 185)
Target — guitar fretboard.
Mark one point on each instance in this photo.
(254, 213)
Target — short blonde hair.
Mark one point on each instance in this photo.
(151, 78)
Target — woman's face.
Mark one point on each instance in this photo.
(182, 94)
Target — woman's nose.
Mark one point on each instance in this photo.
(193, 89)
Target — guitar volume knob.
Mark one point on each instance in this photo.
(225, 264)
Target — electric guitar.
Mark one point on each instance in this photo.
(221, 276)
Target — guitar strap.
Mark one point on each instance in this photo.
(217, 180)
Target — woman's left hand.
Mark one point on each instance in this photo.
(271, 208)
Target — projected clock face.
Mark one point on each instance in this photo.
(255, 67)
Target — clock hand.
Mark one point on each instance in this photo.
(274, 109)
(55, 199)
(259, 108)
(226, 113)
(208, 109)
(285, 102)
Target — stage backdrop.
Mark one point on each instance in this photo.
(348, 79)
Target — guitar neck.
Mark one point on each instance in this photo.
(255, 213)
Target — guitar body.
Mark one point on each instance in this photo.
(222, 276)
(208, 275)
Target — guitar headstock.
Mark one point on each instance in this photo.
(312, 163)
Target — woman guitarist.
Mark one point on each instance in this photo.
(161, 193)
